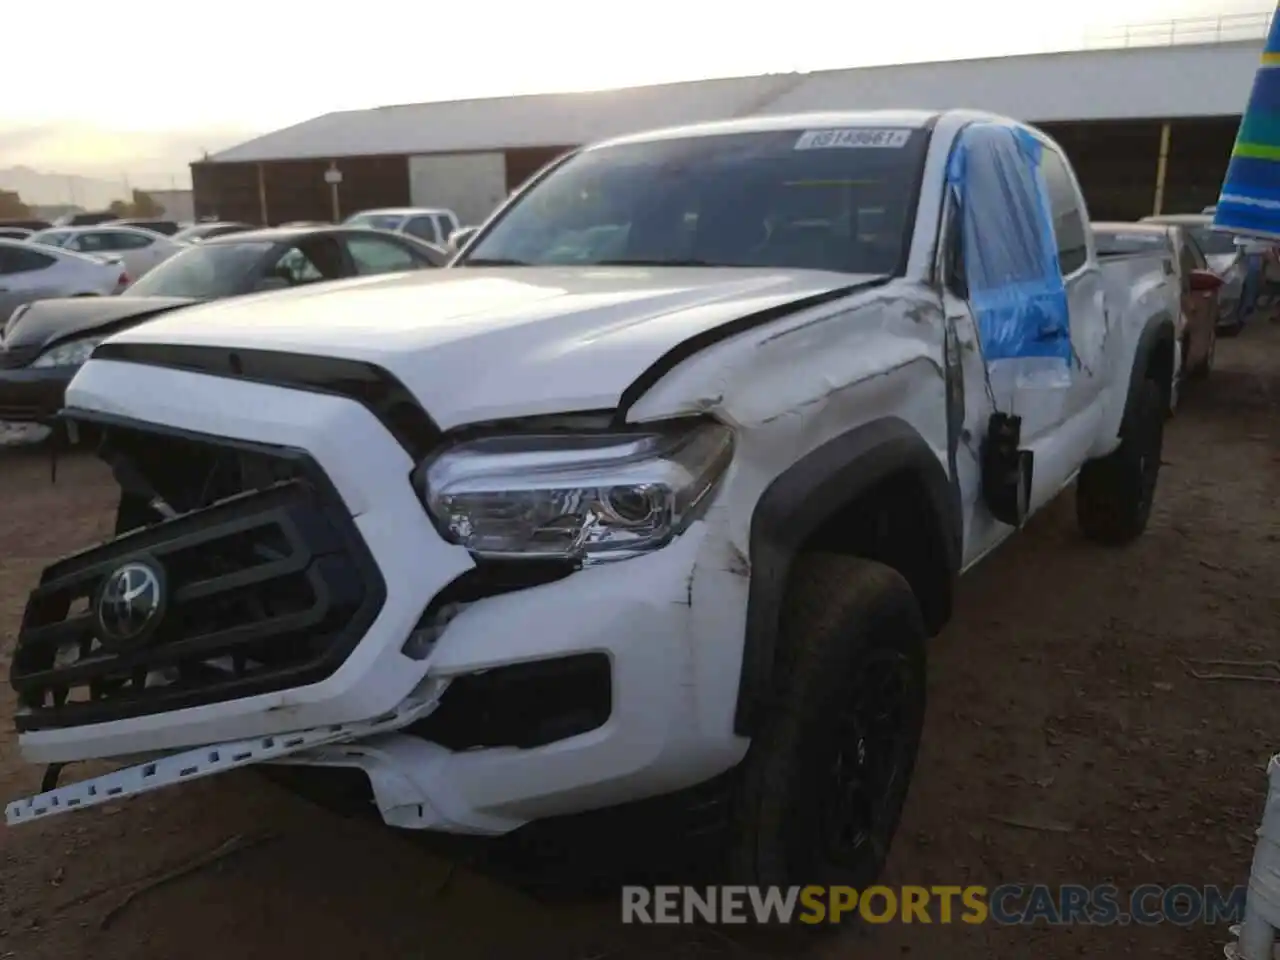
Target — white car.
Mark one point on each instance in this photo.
(138, 249)
(29, 273)
(431, 224)
(541, 533)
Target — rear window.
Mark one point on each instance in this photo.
(1114, 243)
(51, 238)
(1212, 242)
(204, 272)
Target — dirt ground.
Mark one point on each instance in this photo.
(1058, 698)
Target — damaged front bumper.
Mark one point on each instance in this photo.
(208, 761)
(603, 686)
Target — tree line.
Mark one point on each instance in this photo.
(141, 204)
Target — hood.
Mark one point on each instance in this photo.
(481, 343)
(45, 322)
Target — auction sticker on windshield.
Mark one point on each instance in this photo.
(852, 138)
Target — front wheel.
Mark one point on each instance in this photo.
(820, 793)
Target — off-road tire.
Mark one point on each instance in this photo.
(1114, 494)
(843, 618)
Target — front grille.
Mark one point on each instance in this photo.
(267, 587)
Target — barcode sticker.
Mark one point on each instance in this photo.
(853, 138)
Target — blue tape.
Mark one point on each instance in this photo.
(1010, 251)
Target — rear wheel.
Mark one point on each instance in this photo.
(1114, 494)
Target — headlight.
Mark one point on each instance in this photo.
(70, 354)
(578, 496)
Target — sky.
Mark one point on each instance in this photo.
(224, 70)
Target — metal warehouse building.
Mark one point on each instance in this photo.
(1148, 129)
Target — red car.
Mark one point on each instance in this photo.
(1197, 327)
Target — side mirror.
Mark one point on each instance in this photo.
(458, 239)
(1204, 281)
(267, 284)
(1007, 470)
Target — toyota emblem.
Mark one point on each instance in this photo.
(130, 604)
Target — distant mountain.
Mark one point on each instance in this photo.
(91, 166)
(35, 187)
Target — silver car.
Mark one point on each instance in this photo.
(29, 272)
(1225, 258)
(433, 224)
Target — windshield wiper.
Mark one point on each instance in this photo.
(492, 262)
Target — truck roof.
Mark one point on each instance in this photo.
(792, 121)
(1116, 226)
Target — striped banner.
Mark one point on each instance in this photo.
(1250, 200)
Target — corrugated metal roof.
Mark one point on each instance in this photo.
(1178, 81)
(538, 120)
(1192, 80)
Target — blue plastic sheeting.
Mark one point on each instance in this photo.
(1010, 251)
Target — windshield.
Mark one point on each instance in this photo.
(377, 221)
(205, 272)
(1111, 244)
(1213, 243)
(838, 200)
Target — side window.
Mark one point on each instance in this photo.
(1068, 219)
(1009, 262)
(444, 228)
(374, 255)
(119, 240)
(296, 267)
(421, 228)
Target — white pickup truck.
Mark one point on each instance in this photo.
(663, 486)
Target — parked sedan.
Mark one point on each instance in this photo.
(46, 342)
(15, 233)
(29, 273)
(140, 250)
(1226, 259)
(1197, 326)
